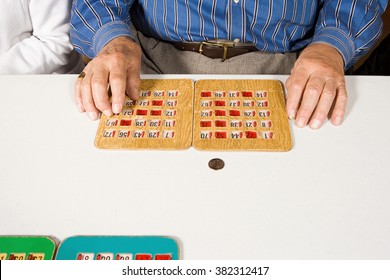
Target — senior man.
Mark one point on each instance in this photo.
(224, 36)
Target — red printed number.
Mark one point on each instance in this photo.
(143, 257)
(163, 257)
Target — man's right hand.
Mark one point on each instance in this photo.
(118, 65)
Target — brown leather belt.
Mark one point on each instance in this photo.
(215, 50)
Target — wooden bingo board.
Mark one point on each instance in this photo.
(240, 115)
(210, 115)
(160, 119)
(118, 248)
(26, 248)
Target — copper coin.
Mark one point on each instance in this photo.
(216, 164)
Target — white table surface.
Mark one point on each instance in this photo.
(327, 198)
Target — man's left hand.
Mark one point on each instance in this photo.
(316, 87)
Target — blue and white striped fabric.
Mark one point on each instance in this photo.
(351, 26)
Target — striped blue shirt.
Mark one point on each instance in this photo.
(351, 26)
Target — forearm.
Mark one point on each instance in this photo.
(94, 23)
(352, 27)
(32, 56)
(47, 49)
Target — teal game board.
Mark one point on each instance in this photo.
(118, 248)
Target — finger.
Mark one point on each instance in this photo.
(77, 95)
(310, 99)
(325, 103)
(86, 95)
(295, 86)
(118, 86)
(99, 91)
(340, 105)
(133, 80)
(133, 86)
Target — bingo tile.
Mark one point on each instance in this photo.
(240, 115)
(26, 248)
(160, 119)
(118, 248)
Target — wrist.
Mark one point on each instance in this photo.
(331, 53)
(118, 41)
(108, 33)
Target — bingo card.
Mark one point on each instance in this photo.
(240, 115)
(160, 119)
(26, 248)
(118, 248)
(210, 115)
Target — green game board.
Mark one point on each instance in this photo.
(26, 248)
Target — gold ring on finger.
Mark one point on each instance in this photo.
(82, 75)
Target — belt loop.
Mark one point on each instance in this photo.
(225, 50)
(201, 48)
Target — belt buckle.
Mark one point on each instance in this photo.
(224, 45)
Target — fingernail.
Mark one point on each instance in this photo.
(338, 121)
(108, 113)
(300, 122)
(291, 114)
(116, 108)
(316, 124)
(136, 95)
(92, 115)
